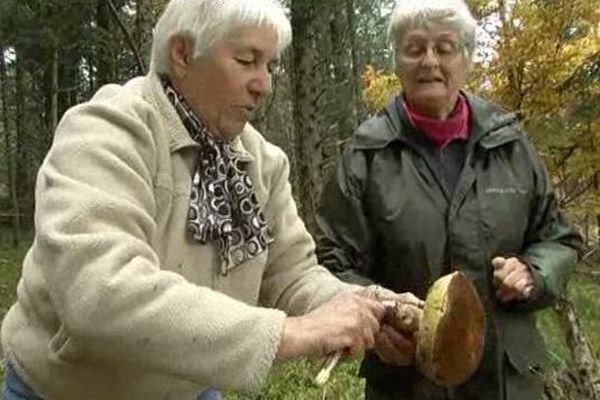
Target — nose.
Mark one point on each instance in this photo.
(430, 58)
(260, 83)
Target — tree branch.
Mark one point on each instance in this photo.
(140, 61)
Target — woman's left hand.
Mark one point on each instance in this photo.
(395, 343)
(513, 279)
(395, 347)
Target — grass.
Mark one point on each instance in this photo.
(293, 380)
(10, 271)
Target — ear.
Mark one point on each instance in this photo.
(181, 52)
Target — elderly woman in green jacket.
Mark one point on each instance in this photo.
(442, 180)
(169, 256)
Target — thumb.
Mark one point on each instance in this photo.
(498, 262)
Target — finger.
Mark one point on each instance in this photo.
(382, 293)
(501, 273)
(525, 287)
(397, 337)
(515, 271)
(529, 291)
(515, 276)
(376, 308)
(401, 348)
(385, 349)
(498, 277)
(409, 298)
(498, 262)
(382, 347)
(366, 326)
(369, 331)
(516, 264)
(405, 317)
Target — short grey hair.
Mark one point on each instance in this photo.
(453, 14)
(208, 21)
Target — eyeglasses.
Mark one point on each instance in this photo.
(414, 52)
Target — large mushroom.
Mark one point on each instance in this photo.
(449, 331)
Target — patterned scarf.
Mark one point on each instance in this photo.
(223, 205)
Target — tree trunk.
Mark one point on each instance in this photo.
(144, 20)
(305, 93)
(597, 187)
(51, 94)
(581, 380)
(10, 161)
(343, 77)
(106, 55)
(598, 229)
(22, 147)
(54, 93)
(586, 230)
(359, 110)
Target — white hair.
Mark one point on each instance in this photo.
(208, 21)
(453, 14)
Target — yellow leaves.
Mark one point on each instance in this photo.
(541, 46)
(379, 87)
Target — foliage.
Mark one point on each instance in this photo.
(378, 88)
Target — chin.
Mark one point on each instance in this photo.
(431, 94)
(233, 130)
(426, 101)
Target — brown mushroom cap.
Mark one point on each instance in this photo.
(451, 332)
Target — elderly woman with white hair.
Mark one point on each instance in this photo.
(169, 257)
(442, 180)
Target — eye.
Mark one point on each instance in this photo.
(413, 50)
(445, 48)
(244, 61)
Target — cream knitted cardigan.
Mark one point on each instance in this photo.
(115, 302)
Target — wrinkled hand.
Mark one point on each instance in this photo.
(395, 347)
(513, 279)
(395, 344)
(348, 322)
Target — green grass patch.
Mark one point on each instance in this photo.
(293, 381)
(10, 271)
(11, 259)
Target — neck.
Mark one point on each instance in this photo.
(441, 131)
(433, 110)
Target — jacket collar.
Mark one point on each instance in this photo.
(179, 137)
(491, 127)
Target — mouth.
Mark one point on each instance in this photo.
(432, 79)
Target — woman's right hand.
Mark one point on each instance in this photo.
(349, 322)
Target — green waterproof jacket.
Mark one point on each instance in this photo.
(388, 217)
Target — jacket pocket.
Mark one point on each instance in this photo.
(523, 344)
(505, 216)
